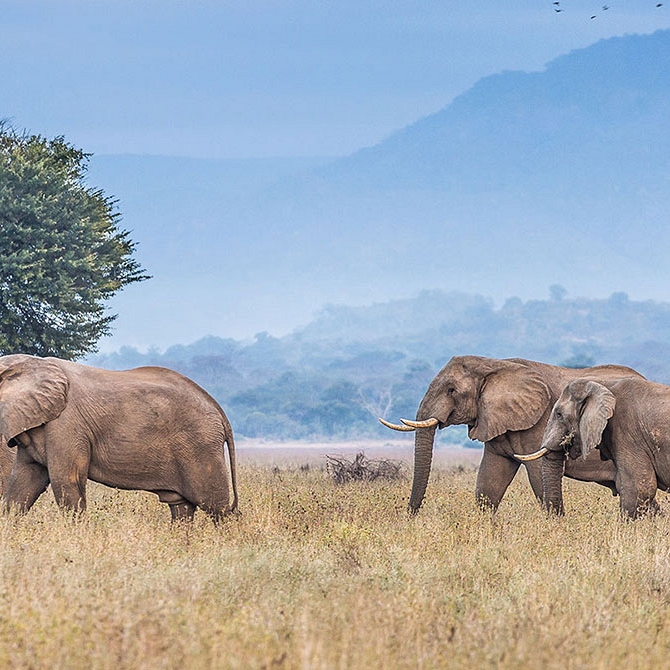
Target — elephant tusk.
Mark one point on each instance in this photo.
(428, 423)
(394, 426)
(531, 457)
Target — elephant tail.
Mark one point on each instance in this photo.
(230, 442)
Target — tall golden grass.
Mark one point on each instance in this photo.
(315, 575)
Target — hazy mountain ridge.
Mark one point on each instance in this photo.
(607, 97)
(527, 179)
(351, 364)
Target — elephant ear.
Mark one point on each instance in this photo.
(33, 391)
(514, 397)
(597, 407)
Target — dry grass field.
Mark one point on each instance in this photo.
(315, 575)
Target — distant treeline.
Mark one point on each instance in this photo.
(349, 366)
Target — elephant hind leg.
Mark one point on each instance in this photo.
(208, 489)
(217, 514)
(182, 511)
(217, 505)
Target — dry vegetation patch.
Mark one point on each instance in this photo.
(363, 469)
(319, 575)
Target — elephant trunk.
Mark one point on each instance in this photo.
(423, 456)
(553, 465)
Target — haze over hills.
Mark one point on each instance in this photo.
(525, 180)
(350, 365)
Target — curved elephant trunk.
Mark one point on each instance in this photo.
(423, 457)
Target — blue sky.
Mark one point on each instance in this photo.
(231, 79)
(272, 78)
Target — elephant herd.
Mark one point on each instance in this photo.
(546, 417)
(152, 429)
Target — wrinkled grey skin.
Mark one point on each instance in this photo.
(149, 428)
(505, 404)
(627, 421)
(7, 457)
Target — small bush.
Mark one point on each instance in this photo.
(343, 470)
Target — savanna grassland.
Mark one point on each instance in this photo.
(318, 575)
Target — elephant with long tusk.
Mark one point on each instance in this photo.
(506, 404)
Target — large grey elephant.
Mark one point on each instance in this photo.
(505, 404)
(149, 428)
(627, 420)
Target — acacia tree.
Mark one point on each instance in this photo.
(62, 253)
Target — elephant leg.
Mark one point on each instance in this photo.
(637, 490)
(70, 494)
(68, 479)
(27, 482)
(593, 469)
(495, 474)
(217, 510)
(180, 508)
(182, 511)
(208, 488)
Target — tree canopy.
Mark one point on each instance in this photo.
(62, 252)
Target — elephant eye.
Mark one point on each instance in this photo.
(451, 390)
(559, 415)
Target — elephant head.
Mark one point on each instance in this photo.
(33, 391)
(575, 428)
(490, 396)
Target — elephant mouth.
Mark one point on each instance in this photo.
(568, 446)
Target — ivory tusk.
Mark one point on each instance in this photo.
(531, 457)
(428, 423)
(393, 426)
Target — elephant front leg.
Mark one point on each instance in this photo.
(637, 490)
(68, 472)
(495, 474)
(27, 482)
(69, 487)
(70, 493)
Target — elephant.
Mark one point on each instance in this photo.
(505, 403)
(7, 457)
(627, 421)
(148, 428)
